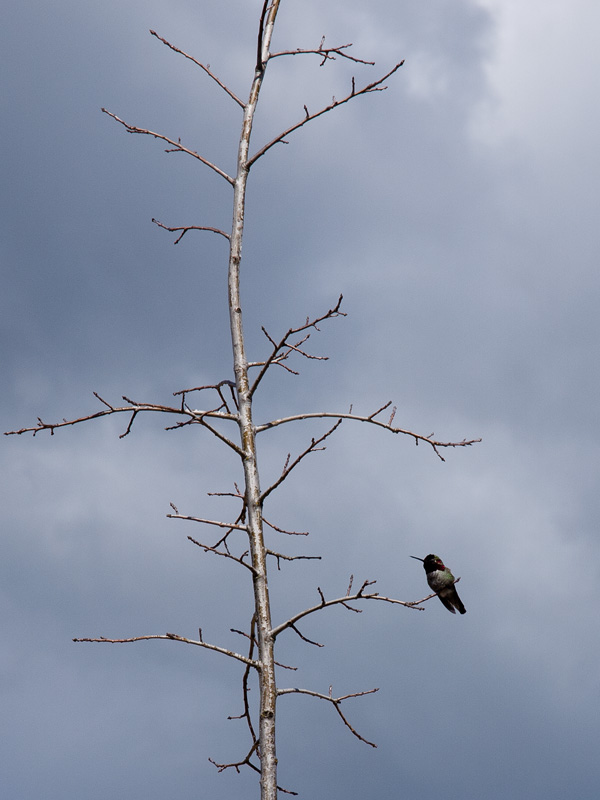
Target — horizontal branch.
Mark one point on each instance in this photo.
(247, 763)
(370, 418)
(185, 228)
(134, 408)
(218, 523)
(347, 598)
(177, 146)
(202, 66)
(282, 530)
(279, 556)
(172, 636)
(336, 702)
(325, 53)
(375, 86)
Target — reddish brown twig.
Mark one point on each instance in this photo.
(283, 342)
(360, 595)
(375, 86)
(205, 67)
(325, 53)
(336, 702)
(185, 228)
(177, 146)
(173, 636)
(312, 448)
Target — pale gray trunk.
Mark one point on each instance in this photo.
(268, 689)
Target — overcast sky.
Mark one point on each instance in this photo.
(457, 213)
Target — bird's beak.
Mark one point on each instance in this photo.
(418, 559)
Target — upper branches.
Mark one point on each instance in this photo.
(374, 86)
(205, 67)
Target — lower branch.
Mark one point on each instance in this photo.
(375, 86)
(185, 228)
(103, 640)
(336, 702)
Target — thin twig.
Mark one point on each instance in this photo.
(312, 448)
(216, 522)
(325, 53)
(177, 146)
(202, 66)
(208, 549)
(305, 638)
(277, 346)
(375, 86)
(279, 556)
(336, 702)
(282, 530)
(185, 228)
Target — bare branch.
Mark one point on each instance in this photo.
(237, 764)
(245, 688)
(434, 443)
(202, 66)
(177, 146)
(103, 640)
(312, 447)
(237, 493)
(134, 408)
(185, 228)
(417, 603)
(304, 638)
(371, 87)
(325, 53)
(336, 702)
(360, 595)
(208, 549)
(218, 523)
(217, 389)
(279, 556)
(282, 530)
(278, 346)
(199, 417)
(247, 763)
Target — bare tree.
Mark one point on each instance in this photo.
(225, 409)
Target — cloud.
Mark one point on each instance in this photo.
(454, 211)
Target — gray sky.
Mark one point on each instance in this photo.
(456, 212)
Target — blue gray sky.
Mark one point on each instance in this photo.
(456, 212)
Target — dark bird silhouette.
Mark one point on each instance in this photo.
(441, 581)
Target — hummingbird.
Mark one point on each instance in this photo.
(441, 581)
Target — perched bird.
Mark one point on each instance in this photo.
(441, 581)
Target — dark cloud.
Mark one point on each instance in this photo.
(455, 211)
